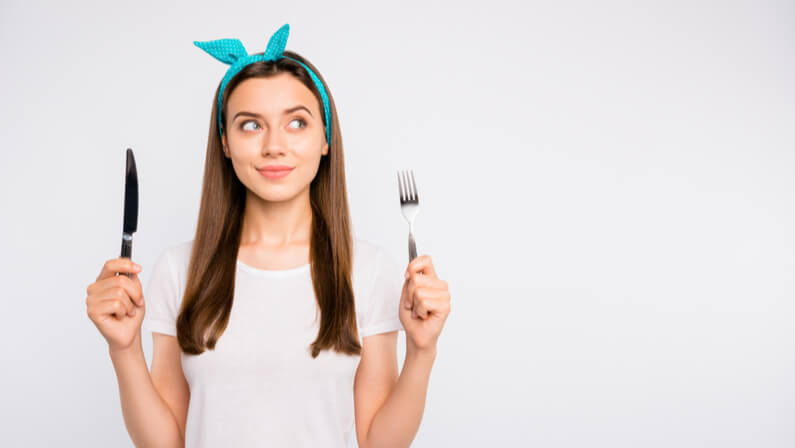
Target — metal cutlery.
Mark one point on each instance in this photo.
(130, 224)
(409, 205)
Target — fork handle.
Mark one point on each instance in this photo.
(412, 247)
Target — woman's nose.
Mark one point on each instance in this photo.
(274, 142)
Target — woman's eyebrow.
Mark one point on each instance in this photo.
(286, 111)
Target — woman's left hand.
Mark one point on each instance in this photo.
(424, 305)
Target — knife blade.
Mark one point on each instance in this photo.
(130, 206)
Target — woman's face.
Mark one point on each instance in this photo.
(274, 121)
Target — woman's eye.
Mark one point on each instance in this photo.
(245, 123)
(301, 120)
(243, 126)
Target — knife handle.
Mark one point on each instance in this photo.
(126, 248)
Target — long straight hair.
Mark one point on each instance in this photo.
(209, 290)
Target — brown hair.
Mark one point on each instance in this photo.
(209, 289)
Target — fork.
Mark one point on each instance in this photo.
(409, 205)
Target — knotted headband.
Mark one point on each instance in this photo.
(232, 52)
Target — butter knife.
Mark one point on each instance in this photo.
(130, 207)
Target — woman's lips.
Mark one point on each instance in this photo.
(275, 174)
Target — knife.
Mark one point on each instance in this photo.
(130, 206)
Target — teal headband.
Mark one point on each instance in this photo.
(232, 52)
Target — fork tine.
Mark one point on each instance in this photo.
(406, 184)
(415, 194)
(406, 188)
(401, 189)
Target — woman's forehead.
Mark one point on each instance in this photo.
(272, 95)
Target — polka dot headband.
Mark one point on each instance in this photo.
(232, 52)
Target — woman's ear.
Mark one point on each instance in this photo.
(224, 145)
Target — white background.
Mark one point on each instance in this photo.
(607, 187)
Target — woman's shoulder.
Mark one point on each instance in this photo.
(368, 252)
(176, 255)
(179, 249)
(365, 247)
(373, 259)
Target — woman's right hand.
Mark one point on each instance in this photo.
(115, 303)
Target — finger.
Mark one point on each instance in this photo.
(118, 291)
(408, 295)
(112, 307)
(130, 285)
(409, 298)
(135, 290)
(126, 301)
(418, 282)
(421, 264)
(415, 295)
(116, 265)
(430, 304)
(427, 281)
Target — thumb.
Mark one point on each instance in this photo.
(407, 302)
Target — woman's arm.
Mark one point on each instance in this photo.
(149, 420)
(424, 307)
(396, 422)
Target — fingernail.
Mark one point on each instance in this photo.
(137, 266)
(407, 274)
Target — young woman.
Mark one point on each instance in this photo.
(274, 325)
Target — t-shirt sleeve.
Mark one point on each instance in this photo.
(161, 297)
(383, 304)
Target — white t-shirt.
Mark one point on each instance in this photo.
(261, 386)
